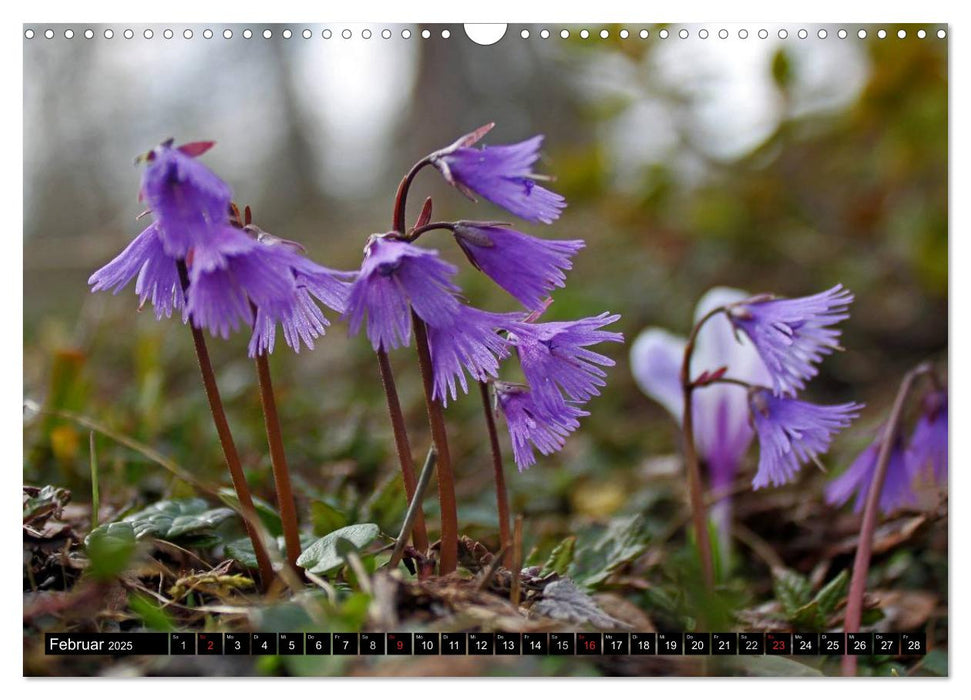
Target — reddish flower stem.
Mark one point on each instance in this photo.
(278, 460)
(246, 507)
(695, 488)
(419, 536)
(502, 498)
(864, 547)
(446, 480)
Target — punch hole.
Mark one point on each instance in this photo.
(445, 34)
(49, 34)
(487, 34)
(346, 34)
(783, 34)
(207, 34)
(882, 34)
(267, 33)
(683, 33)
(743, 33)
(168, 34)
(921, 34)
(822, 34)
(385, 33)
(861, 33)
(941, 34)
(68, 33)
(287, 33)
(366, 33)
(643, 34)
(722, 33)
(405, 33)
(227, 34)
(763, 34)
(901, 33)
(109, 33)
(524, 34)
(247, 33)
(545, 34)
(841, 33)
(327, 34)
(663, 33)
(584, 34)
(29, 34)
(425, 34)
(129, 34)
(802, 34)
(306, 34)
(703, 33)
(89, 34)
(564, 33)
(604, 34)
(624, 33)
(148, 34)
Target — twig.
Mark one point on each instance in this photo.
(414, 508)
(490, 571)
(861, 563)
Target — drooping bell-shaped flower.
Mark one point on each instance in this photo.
(471, 343)
(722, 430)
(527, 267)
(157, 274)
(186, 198)
(793, 335)
(792, 432)
(535, 423)
(928, 442)
(394, 278)
(502, 174)
(897, 491)
(555, 356)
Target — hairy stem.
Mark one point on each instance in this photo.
(695, 488)
(864, 548)
(403, 448)
(278, 460)
(446, 480)
(228, 445)
(502, 498)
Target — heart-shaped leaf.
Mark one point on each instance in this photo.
(110, 548)
(326, 553)
(242, 549)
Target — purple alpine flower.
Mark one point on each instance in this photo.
(928, 443)
(186, 198)
(393, 276)
(857, 479)
(234, 272)
(722, 429)
(525, 266)
(158, 276)
(501, 174)
(792, 335)
(469, 342)
(554, 356)
(792, 432)
(301, 318)
(530, 421)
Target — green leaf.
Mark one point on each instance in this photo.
(325, 554)
(624, 540)
(110, 548)
(792, 590)
(325, 517)
(153, 616)
(268, 515)
(830, 595)
(242, 549)
(560, 558)
(169, 520)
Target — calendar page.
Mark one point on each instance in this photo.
(485, 350)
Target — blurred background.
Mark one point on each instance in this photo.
(782, 165)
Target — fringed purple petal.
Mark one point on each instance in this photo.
(470, 343)
(793, 432)
(532, 423)
(527, 267)
(793, 335)
(928, 443)
(897, 491)
(504, 176)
